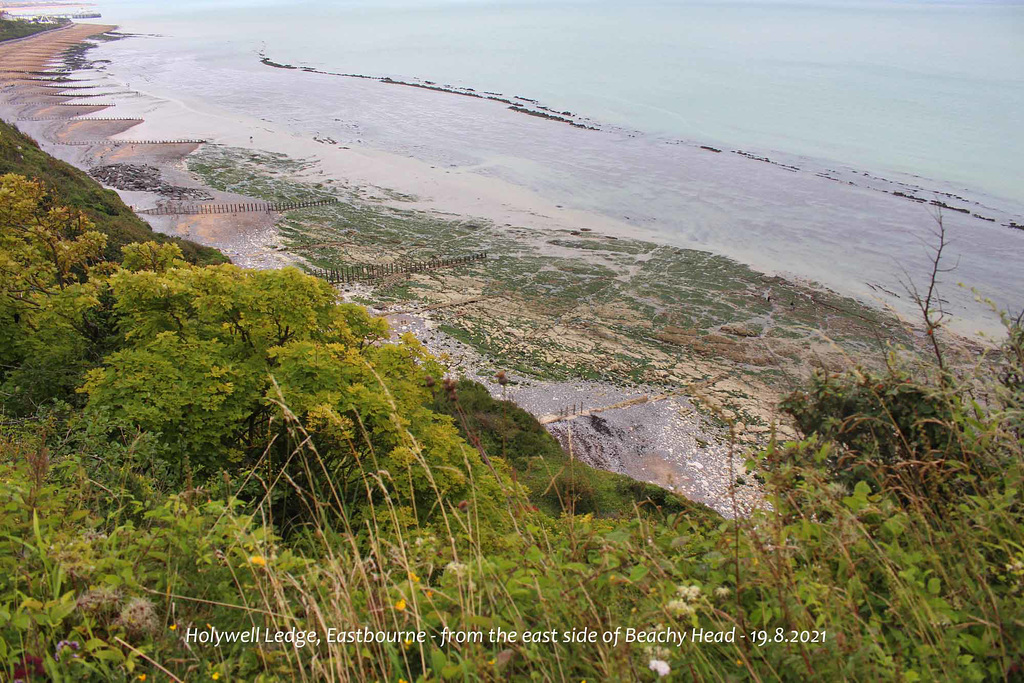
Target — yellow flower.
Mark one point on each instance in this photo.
(413, 577)
(173, 627)
(402, 680)
(400, 605)
(215, 675)
(258, 560)
(408, 644)
(142, 677)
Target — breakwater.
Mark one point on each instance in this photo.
(237, 207)
(85, 143)
(78, 118)
(376, 271)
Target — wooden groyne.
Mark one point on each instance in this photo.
(123, 142)
(75, 95)
(375, 271)
(34, 73)
(567, 413)
(241, 207)
(59, 79)
(78, 118)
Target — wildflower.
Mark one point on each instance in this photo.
(402, 680)
(138, 617)
(660, 667)
(689, 593)
(142, 677)
(102, 601)
(258, 560)
(400, 605)
(407, 644)
(30, 666)
(456, 568)
(215, 675)
(67, 645)
(723, 592)
(173, 627)
(679, 608)
(413, 577)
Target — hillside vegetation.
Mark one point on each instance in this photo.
(73, 188)
(202, 448)
(21, 28)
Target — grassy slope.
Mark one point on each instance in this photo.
(72, 187)
(11, 29)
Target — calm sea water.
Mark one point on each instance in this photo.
(933, 89)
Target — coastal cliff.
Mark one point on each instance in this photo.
(213, 472)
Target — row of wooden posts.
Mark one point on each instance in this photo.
(52, 72)
(60, 92)
(571, 410)
(79, 118)
(82, 143)
(197, 209)
(378, 270)
(73, 95)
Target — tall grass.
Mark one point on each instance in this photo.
(905, 585)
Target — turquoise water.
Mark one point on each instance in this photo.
(929, 89)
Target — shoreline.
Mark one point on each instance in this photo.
(662, 403)
(753, 216)
(754, 213)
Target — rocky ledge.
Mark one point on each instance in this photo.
(144, 178)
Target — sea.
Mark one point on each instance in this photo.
(823, 110)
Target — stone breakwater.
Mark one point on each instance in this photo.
(145, 178)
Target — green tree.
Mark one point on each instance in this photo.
(52, 326)
(233, 369)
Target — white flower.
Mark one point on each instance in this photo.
(679, 608)
(456, 568)
(689, 593)
(723, 592)
(660, 667)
